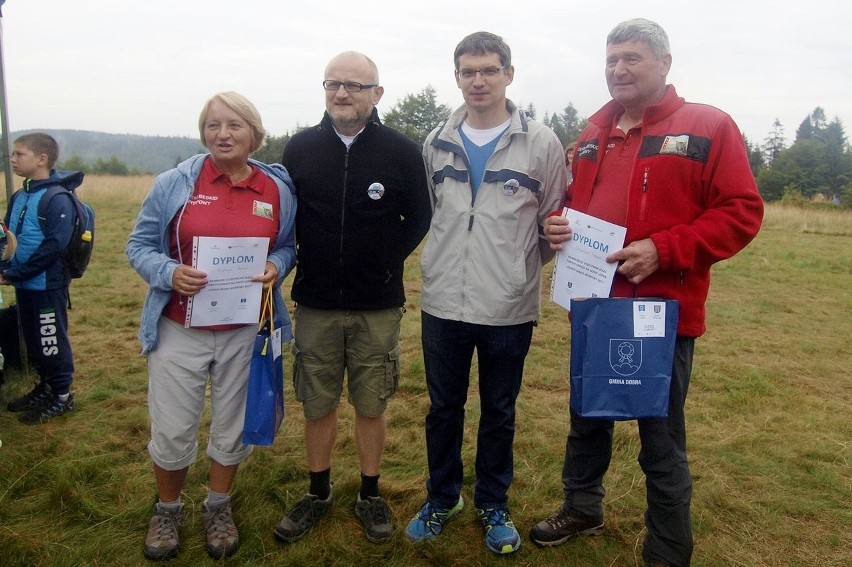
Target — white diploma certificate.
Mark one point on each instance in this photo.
(230, 297)
(581, 269)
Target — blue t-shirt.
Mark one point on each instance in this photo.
(478, 157)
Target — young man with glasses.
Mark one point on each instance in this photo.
(494, 176)
(363, 207)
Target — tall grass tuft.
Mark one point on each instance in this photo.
(768, 418)
(826, 220)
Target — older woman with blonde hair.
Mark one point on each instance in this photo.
(221, 194)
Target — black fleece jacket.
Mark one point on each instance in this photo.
(361, 211)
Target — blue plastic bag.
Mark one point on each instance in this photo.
(622, 351)
(265, 395)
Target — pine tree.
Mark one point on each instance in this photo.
(417, 114)
(774, 144)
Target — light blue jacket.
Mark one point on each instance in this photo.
(149, 244)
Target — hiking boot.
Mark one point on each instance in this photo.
(429, 521)
(33, 399)
(162, 541)
(501, 536)
(53, 407)
(302, 517)
(376, 518)
(560, 527)
(223, 540)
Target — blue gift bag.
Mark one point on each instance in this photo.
(622, 350)
(265, 395)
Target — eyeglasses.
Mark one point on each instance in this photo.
(350, 86)
(487, 73)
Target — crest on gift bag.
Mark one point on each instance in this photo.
(625, 356)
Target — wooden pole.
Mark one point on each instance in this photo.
(7, 170)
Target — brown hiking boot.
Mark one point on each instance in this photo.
(560, 527)
(223, 540)
(162, 541)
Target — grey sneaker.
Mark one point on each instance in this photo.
(223, 540)
(302, 517)
(376, 518)
(560, 527)
(50, 408)
(162, 541)
(33, 399)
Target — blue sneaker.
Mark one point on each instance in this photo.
(501, 537)
(429, 521)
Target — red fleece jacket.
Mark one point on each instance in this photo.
(691, 191)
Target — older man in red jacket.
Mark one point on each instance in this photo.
(676, 174)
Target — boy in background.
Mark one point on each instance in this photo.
(39, 276)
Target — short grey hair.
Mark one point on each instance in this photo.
(646, 31)
(481, 43)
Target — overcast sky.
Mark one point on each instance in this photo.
(146, 67)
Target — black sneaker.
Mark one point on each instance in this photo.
(302, 517)
(560, 527)
(37, 397)
(376, 518)
(52, 408)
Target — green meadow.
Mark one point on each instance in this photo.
(768, 415)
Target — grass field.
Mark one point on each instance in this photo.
(768, 416)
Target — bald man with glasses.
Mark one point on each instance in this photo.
(363, 207)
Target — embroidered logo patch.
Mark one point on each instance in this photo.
(587, 150)
(675, 145)
(262, 209)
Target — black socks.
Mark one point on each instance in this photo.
(320, 484)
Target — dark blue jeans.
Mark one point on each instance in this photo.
(662, 457)
(447, 354)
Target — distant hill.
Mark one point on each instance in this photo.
(148, 154)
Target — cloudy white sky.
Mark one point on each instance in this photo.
(146, 67)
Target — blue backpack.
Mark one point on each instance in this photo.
(79, 251)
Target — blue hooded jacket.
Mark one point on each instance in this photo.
(43, 231)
